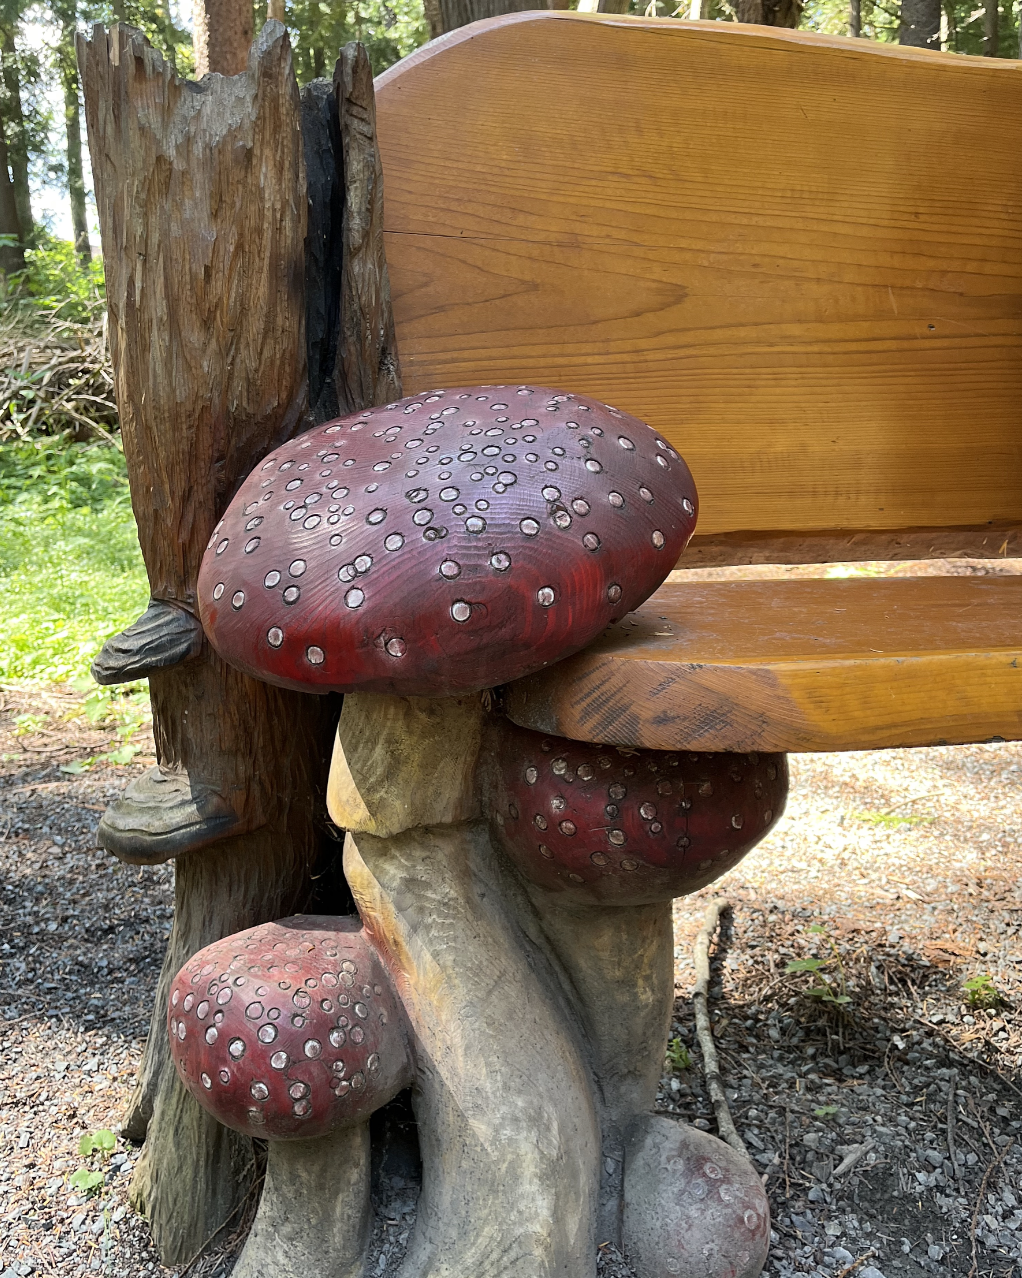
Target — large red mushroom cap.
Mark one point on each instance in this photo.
(289, 1030)
(625, 826)
(445, 543)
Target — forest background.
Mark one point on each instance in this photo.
(70, 569)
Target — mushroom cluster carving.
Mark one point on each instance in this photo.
(411, 556)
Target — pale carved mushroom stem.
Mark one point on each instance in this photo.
(314, 1214)
(620, 965)
(508, 1128)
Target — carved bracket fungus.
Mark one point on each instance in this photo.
(291, 1032)
(622, 826)
(445, 543)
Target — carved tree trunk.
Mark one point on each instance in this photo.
(203, 225)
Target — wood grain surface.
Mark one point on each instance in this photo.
(697, 223)
(841, 664)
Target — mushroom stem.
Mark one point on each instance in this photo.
(620, 965)
(314, 1214)
(508, 1129)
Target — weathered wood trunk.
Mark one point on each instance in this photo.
(202, 201)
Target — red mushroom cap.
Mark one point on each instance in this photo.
(445, 543)
(625, 826)
(290, 1029)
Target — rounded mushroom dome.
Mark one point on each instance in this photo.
(623, 826)
(444, 543)
(289, 1030)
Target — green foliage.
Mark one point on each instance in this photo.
(88, 1180)
(679, 1058)
(70, 567)
(99, 1142)
(890, 820)
(54, 284)
(982, 991)
(390, 29)
(85, 1181)
(828, 986)
(825, 1111)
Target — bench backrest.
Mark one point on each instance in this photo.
(800, 257)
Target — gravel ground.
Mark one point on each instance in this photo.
(888, 1128)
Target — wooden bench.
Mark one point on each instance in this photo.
(694, 222)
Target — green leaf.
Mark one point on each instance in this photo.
(806, 965)
(816, 927)
(105, 1140)
(85, 1145)
(79, 765)
(825, 1111)
(85, 1181)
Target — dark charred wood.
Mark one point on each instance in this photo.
(321, 137)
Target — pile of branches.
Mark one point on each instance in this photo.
(55, 379)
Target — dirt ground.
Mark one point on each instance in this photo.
(888, 1128)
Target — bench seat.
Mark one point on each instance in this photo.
(834, 664)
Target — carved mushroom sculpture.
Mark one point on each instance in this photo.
(605, 837)
(291, 1032)
(444, 543)
(599, 824)
(411, 556)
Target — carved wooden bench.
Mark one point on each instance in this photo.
(688, 221)
(682, 220)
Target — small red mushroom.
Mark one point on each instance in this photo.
(693, 1206)
(625, 826)
(289, 1030)
(445, 543)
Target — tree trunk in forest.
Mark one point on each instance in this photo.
(770, 13)
(990, 29)
(14, 126)
(920, 24)
(68, 69)
(855, 17)
(12, 255)
(222, 35)
(447, 15)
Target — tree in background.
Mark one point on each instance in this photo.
(390, 29)
(222, 35)
(920, 24)
(25, 125)
(67, 69)
(12, 245)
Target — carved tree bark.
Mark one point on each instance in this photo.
(203, 230)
